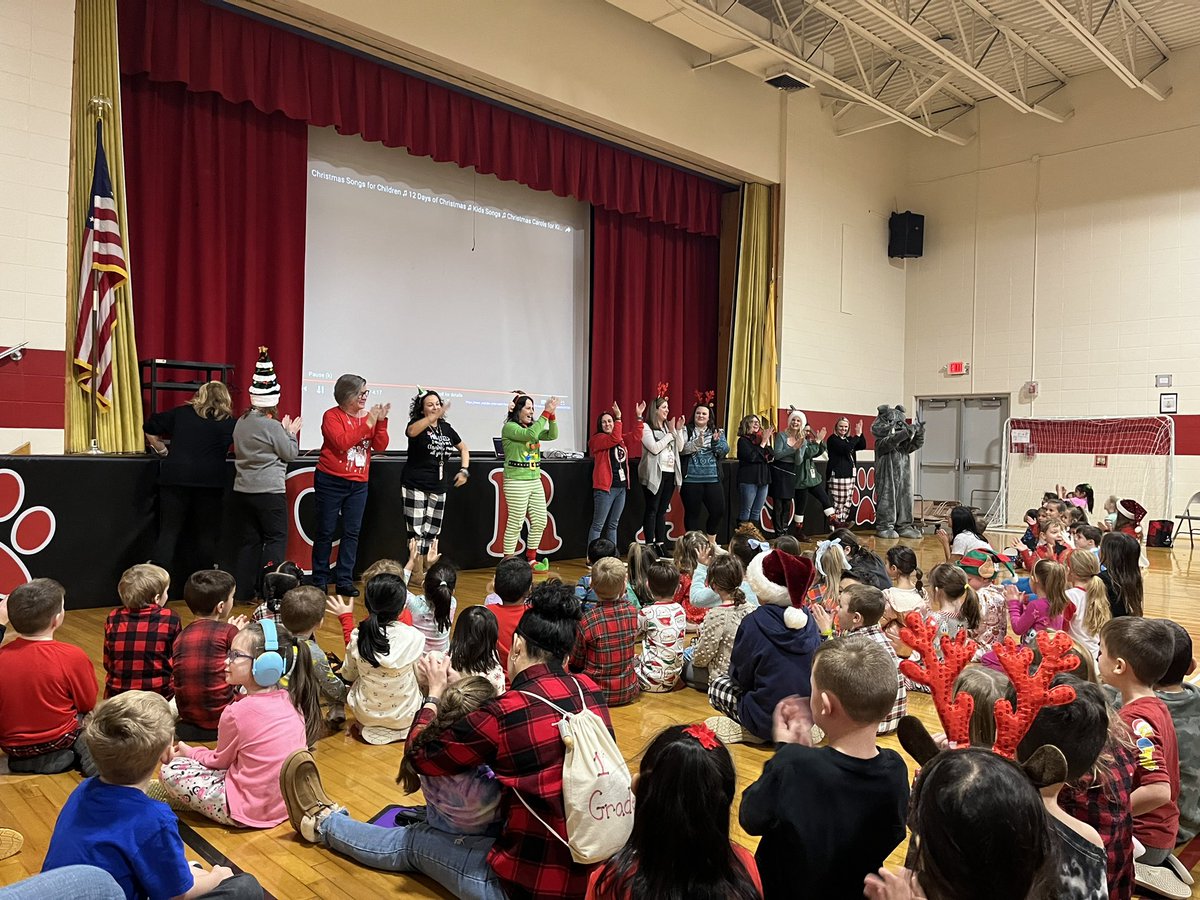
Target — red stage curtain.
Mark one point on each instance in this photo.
(216, 195)
(245, 60)
(654, 312)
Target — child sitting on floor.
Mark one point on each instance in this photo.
(109, 822)
(473, 646)
(600, 548)
(47, 686)
(830, 815)
(513, 584)
(276, 583)
(433, 613)
(661, 626)
(1047, 608)
(684, 788)
(638, 561)
(1089, 600)
(301, 612)
(690, 551)
(604, 642)
(1182, 698)
(380, 664)
(907, 594)
(237, 783)
(1052, 545)
(1135, 654)
(140, 634)
(198, 659)
(1088, 537)
(708, 656)
(982, 568)
(860, 608)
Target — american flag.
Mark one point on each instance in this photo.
(101, 252)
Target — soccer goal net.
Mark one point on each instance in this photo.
(1129, 456)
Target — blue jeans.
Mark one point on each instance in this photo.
(456, 862)
(607, 507)
(337, 496)
(83, 882)
(752, 497)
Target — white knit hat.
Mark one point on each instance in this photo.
(264, 390)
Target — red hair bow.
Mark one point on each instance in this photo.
(705, 735)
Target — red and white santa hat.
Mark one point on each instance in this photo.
(781, 579)
(1131, 510)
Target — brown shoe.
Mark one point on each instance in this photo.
(300, 784)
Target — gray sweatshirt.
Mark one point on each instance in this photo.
(263, 449)
(1184, 707)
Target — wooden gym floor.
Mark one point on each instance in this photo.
(363, 777)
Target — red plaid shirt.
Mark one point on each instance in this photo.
(900, 706)
(198, 672)
(1106, 807)
(518, 738)
(137, 650)
(604, 649)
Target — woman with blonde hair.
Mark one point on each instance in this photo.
(192, 477)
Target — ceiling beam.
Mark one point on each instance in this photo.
(814, 74)
(1019, 100)
(1123, 68)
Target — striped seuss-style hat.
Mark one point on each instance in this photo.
(264, 390)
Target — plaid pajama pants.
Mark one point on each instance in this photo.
(724, 695)
(423, 515)
(840, 492)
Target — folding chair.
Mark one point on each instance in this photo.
(1186, 516)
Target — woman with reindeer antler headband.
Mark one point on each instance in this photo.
(660, 470)
(524, 495)
(703, 449)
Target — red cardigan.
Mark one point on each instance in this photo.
(349, 442)
(599, 446)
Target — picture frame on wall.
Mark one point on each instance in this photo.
(1168, 403)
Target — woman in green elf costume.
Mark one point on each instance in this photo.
(523, 491)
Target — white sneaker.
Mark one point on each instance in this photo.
(730, 731)
(1180, 869)
(1162, 880)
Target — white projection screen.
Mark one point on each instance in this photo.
(420, 272)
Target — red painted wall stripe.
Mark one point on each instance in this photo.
(33, 390)
(1187, 428)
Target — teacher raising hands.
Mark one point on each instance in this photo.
(350, 432)
(431, 442)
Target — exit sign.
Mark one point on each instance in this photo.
(956, 368)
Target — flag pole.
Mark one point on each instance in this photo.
(97, 106)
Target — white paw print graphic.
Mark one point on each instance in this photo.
(29, 532)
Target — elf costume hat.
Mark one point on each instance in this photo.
(780, 579)
(938, 672)
(984, 564)
(264, 389)
(1131, 510)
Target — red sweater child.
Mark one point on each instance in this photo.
(349, 442)
(47, 686)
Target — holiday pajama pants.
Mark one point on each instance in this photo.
(841, 490)
(524, 498)
(198, 787)
(423, 515)
(724, 695)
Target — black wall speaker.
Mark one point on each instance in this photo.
(906, 235)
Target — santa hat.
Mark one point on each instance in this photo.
(264, 390)
(781, 579)
(1131, 510)
(794, 413)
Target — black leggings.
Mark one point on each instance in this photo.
(654, 520)
(796, 503)
(699, 497)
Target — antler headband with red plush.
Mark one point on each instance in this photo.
(661, 391)
(1032, 688)
(705, 398)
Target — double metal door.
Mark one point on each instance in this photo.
(962, 454)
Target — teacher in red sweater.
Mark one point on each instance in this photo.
(351, 433)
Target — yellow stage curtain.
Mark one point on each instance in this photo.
(97, 74)
(753, 382)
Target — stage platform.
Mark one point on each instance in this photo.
(84, 519)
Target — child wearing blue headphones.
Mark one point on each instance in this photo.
(238, 782)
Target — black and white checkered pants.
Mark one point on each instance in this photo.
(724, 695)
(423, 515)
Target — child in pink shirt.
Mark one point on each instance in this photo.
(238, 782)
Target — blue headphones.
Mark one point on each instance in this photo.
(268, 667)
